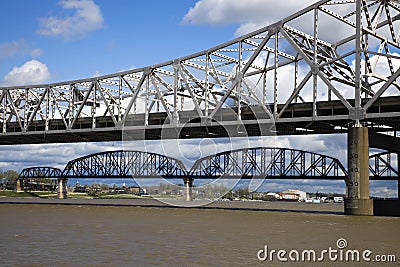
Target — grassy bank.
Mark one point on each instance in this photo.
(9, 193)
(41, 194)
(118, 196)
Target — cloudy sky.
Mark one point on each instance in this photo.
(51, 41)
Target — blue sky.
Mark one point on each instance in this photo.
(52, 41)
(123, 35)
(79, 39)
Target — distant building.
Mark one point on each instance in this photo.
(79, 188)
(273, 195)
(39, 184)
(293, 195)
(133, 190)
(338, 199)
(257, 195)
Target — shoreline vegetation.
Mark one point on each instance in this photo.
(262, 206)
(147, 202)
(72, 195)
(217, 191)
(237, 195)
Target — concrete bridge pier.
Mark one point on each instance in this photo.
(358, 200)
(187, 189)
(62, 188)
(18, 187)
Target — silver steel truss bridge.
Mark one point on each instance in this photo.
(247, 163)
(292, 77)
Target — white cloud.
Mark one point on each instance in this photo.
(18, 47)
(31, 72)
(12, 48)
(239, 11)
(51, 155)
(87, 18)
(37, 52)
(250, 14)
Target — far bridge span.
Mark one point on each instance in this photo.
(246, 163)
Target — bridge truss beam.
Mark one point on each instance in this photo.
(271, 71)
(270, 163)
(40, 172)
(124, 164)
(249, 163)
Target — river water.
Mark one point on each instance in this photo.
(80, 235)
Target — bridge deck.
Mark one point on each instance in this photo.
(297, 119)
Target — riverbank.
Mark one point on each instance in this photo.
(278, 206)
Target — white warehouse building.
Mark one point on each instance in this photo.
(295, 195)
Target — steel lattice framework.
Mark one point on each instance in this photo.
(276, 163)
(247, 163)
(384, 166)
(294, 74)
(40, 172)
(124, 164)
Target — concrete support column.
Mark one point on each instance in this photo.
(62, 188)
(18, 186)
(187, 190)
(357, 200)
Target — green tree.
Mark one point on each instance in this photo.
(229, 195)
(243, 193)
(105, 187)
(10, 174)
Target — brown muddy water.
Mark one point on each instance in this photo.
(91, 235)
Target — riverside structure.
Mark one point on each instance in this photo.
(234, 90)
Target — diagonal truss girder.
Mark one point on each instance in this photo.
(384, 166)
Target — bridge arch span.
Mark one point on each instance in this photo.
(124, 164)
(268, 162)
